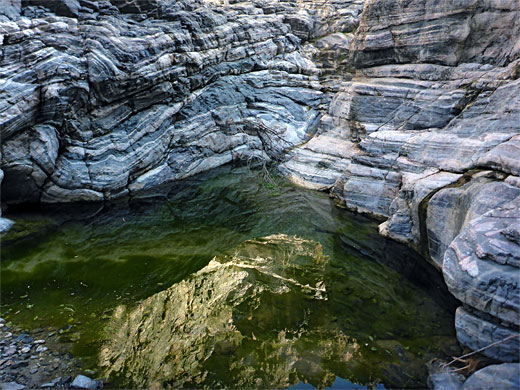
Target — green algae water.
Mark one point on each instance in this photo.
(225, 281)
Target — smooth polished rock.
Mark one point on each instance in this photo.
(497, 376)
(459, 205)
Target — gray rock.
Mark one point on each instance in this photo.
(477, 330)
(499, 376)
(445, 380)
(68, 8)
(161, 109)
(391, 33)
(11, 8)
(457, 206)
(12, 386)
(102, 100)
(5, 225)
(84, 382)
(481, 266)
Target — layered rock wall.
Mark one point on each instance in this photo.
(405, 110)
(424, 133)
(115, 97)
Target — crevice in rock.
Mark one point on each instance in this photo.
(424, 246)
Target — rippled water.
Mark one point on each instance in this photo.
(299, 292)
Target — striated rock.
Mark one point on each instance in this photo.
(478, 330)
(481, 268)
(433, 96)
(116, 105)
(443, 32)
(458, 206)
(498, 376)
(504, 157)
(390, 105)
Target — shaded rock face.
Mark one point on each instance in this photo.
(411, 110)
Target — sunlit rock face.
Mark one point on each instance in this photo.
(272, 313)
(177, 336)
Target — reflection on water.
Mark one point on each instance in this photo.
(227, 282)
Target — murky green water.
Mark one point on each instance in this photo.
(298, 291)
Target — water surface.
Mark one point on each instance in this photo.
(323, 299)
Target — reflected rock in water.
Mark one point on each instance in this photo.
(242, 321)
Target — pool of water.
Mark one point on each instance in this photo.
(227, 280)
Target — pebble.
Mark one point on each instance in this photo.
(33, 370)
(10, 351)
(39, 341)
(12, 386)
(8, 335)
(41, 348)
(84, 382)
(26, 349)
(20, 363)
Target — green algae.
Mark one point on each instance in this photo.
(72, 276)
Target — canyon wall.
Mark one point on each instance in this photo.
(406, 110)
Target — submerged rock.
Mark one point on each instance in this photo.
(258, 316)
(177, 334)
